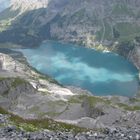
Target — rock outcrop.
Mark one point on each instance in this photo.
(11, 132)
(134, 57)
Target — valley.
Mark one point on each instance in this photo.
(69, 69)
(111, 27)
(77, 66)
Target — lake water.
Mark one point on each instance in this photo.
(100, 73)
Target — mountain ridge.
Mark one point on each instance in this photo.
(110, 25)
(92, 23)
(104, 25)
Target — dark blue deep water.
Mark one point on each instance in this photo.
(100, 73)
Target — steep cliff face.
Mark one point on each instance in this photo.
(134, 57)
(23, 4)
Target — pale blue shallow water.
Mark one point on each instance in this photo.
(100, 73)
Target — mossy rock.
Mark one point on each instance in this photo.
(17, 82)
(128, 108)
(39, 124)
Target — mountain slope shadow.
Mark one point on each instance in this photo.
(24, 32)
(31, 27)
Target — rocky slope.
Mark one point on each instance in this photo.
(12, 132)
(102, 24)
(23, 4)
(25, 92)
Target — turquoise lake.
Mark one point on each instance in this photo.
(97, 72)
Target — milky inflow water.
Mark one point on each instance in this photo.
(70, 65)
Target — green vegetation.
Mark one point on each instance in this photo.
(101, 48)
(3, 111)
(17, 82)
(36, 124)
(7, 17)
(74, 99)
(45, 77)
(122, 9)
(92, 100)
(9, 13)
(34, 109)
(123, 48)
(2, 78)
(127, 31)
(134, 100)
(78, 15)
(4, 24)
(108, 31)
(127, 107)
(99, 34)
(56, 108)
(13, 83)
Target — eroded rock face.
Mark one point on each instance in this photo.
(23, 4)
(134, 57)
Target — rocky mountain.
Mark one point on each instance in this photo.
(23, 4)
(112, 25)
(4, 4)
(102, 24)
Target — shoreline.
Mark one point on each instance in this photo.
(105, 51)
